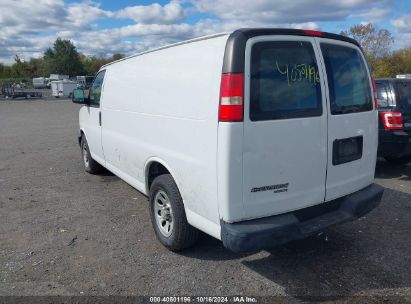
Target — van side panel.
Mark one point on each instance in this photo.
(230, 171)
(164, 105)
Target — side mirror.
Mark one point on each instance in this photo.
(78, 96)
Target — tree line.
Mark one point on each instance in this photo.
(63, 57)
(377, 45)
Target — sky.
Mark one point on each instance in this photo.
(104, 27)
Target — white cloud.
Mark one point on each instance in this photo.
(169, 30)
(21, 22)
(31, 16)
(373, 15)
(80, 15)
(282, 11)
(402, 23)
(154, 13)
(34, 16)
(403, 40)
(28, 27)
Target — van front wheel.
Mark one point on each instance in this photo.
(168, 216)
(90, 165)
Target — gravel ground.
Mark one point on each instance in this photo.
(65, 232)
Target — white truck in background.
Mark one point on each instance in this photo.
(63, 88)
(58, 77)
(40, 82)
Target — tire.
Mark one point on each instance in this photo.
(166, 205)
(403, 160)
(90, 165)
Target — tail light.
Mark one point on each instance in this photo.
(392, 120)
(374, 92)
(231, 97)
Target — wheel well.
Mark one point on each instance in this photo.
(155, 169)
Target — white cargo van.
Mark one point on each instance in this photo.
(255, 137)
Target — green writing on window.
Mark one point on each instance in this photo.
(299, 72)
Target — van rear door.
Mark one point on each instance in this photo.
(285, 126)
(352, 121)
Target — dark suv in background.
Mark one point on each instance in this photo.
(394, 107)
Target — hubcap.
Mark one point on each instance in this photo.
(163, 213)
(85, 156)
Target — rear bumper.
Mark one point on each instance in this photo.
(394, 143)
(279, 229)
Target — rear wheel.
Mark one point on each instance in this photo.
(168, 216)
(90, 165)
(398, 160)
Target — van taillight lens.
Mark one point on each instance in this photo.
(231, 97)
(374, 92)
(313, 33)
(392, 120)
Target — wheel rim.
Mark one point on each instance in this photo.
(85, 156)
(163, 213)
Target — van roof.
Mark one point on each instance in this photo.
(240, 37)
(168, 46)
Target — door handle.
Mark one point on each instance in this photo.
(99, 119)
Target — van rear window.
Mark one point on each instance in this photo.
(348, 80)
(285, 81)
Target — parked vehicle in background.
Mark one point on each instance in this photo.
(40, 82)
(63, 88)
(257, 137)
(56, 77)
(84, 82)
(404, 76)
(14, 90)
(394, 107)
